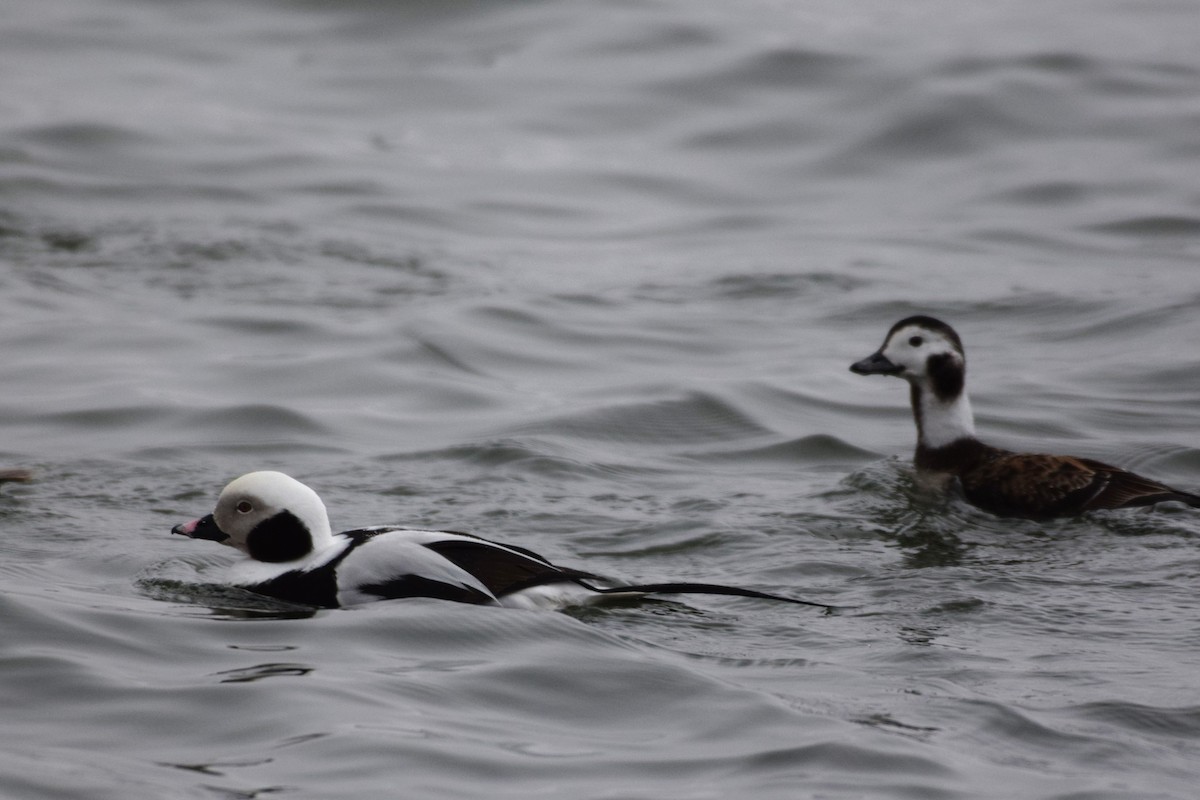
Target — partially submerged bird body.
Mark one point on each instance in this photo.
(929, 355)
(390, 563)
(282, 527)
(1037, 485)
(15, 475)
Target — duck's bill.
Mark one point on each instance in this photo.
(875, 364)
(203, 528)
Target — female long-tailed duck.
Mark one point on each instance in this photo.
(293, 555)
(929, 355)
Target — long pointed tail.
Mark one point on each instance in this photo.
(1189, 498)
(706, 588)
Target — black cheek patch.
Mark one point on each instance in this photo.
(283, 537)
(945, 376)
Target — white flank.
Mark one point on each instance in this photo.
(397, 554)
(552, 597)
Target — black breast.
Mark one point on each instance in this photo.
(316, 587)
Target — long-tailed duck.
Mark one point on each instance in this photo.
(293, 555)
(928, 354)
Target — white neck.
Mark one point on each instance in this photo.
(247, 571)
(940, 423)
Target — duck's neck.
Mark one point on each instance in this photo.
(941, 420)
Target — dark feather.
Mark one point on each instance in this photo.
(504, 573)
(1124, 489)
(705, 588)
(317, 588)
(1038, 486)
(408, 586)
(501, 570)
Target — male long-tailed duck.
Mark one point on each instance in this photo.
(928, 354)
(293, 555)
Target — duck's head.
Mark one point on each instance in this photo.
(924, 351)
(269, 516)
(928, 354)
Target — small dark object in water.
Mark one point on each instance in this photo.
(15, 475)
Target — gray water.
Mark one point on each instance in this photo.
(587, 278)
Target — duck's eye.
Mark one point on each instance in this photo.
(916, 341)
(244, 507)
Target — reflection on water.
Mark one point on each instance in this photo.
(261, 671)
(930, 548)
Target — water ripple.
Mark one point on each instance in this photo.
(586, 277)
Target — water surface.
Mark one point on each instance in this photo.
(588, 278)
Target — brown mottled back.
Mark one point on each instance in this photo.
(1038, 486)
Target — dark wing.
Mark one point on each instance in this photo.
(502, 569)
(409, 586)
(386, 562)
(1039, 486)
(445, 564)
(1124, 489)
(513, 547)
